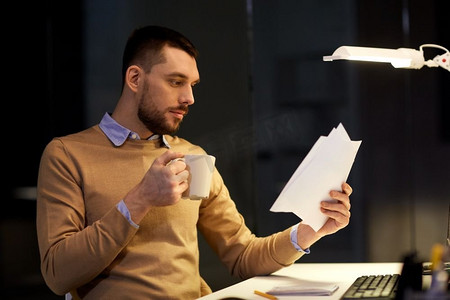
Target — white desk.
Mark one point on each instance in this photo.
(342, 274)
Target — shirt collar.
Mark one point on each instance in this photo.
(118, 134)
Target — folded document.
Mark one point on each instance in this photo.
(311, 289)
(325, 168)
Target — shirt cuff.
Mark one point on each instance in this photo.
(121, 206)
(294, 240)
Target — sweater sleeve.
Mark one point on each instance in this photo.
(72, 253)
(244, 254)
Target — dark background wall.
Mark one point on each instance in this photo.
(265, 97)
(400, 174)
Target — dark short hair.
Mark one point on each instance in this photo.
(144, 46)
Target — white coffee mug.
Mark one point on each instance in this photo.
(201, 168)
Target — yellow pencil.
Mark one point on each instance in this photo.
(268, 296)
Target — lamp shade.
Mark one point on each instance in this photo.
(399, 58)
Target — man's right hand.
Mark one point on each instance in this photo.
(162, 185)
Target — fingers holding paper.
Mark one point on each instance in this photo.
(338, 212)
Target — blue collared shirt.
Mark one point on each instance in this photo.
(118, 134)
(294, 240)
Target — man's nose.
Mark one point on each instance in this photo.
(187, 96)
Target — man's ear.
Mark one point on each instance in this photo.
(133, 77)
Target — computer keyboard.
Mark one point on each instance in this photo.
(373, 287)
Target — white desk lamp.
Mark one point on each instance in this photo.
(399, 58)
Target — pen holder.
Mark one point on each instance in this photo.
(411, 277)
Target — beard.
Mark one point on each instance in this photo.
(154, 119)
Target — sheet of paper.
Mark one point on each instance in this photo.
(325, 168)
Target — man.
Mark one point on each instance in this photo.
(111, 221)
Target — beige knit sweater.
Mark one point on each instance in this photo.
(89, 248)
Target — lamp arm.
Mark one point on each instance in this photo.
(442, 60)
(432, 46)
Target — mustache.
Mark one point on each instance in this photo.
(183, 108)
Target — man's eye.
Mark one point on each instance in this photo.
(175, 82)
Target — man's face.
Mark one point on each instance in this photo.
(167, 92)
